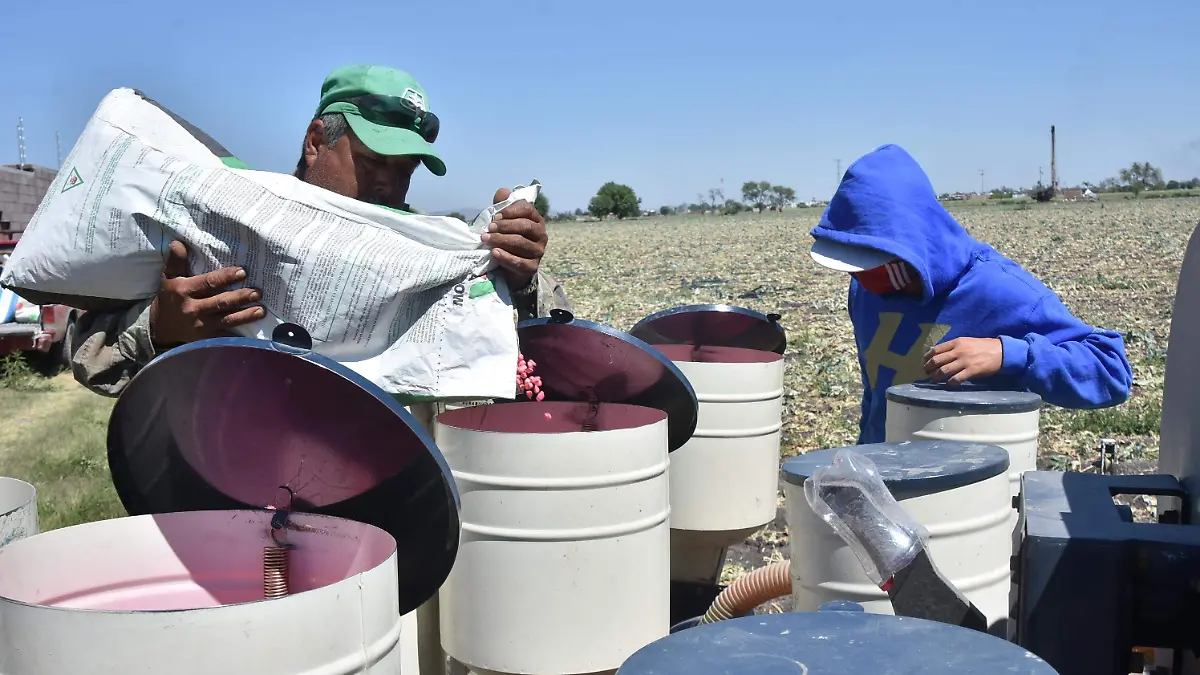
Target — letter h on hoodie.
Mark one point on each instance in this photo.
(886, 202)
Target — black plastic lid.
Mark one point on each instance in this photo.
(831, 643)
(224, 423)
(967, 398)
(584, 361)
(915, 468)
(713, 326)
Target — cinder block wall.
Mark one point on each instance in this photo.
(21, 190)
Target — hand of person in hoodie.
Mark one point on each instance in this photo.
(961, 359)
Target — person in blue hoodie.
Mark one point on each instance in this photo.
(931, 303)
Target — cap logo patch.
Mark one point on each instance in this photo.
(414, 97)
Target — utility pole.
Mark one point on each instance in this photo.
(58, 150)
(1053, 169)
(21, 142)
(981, 175)
(838, 177)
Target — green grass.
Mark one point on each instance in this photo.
(53, 436)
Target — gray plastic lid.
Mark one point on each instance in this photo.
(831, 643)
(967, 398)
(225, 423)
(916, 468)
(582, 361)
(713, 326)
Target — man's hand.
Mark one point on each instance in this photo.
(187, 309)
(963, 359)
(518, 240)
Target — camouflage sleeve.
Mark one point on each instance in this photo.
(550, 295)
(109, 348)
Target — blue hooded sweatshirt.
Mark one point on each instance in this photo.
(886, 202)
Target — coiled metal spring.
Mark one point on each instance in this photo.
(275, 558)
(275, 572)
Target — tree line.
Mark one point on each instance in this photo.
(1136, 178)
(621, 201)
(616, 200)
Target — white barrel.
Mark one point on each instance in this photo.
(18, 510)
(182, 593)
(725, 479)
(1009, 419)
(957, 491)
(563, 563)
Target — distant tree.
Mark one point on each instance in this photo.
(579, 212)
(716, 196)
(614, 199)
(458, 215)
(732, 207)
(665, 210)
(542, 204)
(755, 193)
(778, 196)
(1140, 176)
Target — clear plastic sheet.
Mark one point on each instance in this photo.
(850, 495)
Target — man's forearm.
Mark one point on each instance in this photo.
(109, 348)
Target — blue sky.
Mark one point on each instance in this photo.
(668, 97)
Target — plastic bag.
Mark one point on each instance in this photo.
(851, 497)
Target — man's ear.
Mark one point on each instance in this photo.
(314, 140)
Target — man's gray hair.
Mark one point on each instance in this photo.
(334, 126)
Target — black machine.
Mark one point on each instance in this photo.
(1094, 586)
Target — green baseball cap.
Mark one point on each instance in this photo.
(387, 109)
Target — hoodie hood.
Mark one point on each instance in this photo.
(886, 202)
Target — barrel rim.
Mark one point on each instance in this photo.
(771, 336)
(924, 480)
(967, 398)
(27, 489)
(802, 637)
(314, 519)
(672, 393)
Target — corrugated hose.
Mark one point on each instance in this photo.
(749, 591)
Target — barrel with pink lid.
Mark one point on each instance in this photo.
(724, 481)
(564, 562)
(286, 516)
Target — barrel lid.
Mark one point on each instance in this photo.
(713, 326)
(583, 361)
(833, 643)
(234, 423)
(913, 468)
(966, 398)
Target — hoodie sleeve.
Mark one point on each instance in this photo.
(1065, 361)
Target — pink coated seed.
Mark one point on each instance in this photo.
(548, 416)
(540, 396)
(529, 394)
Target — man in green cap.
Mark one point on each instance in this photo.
(371, 130)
